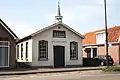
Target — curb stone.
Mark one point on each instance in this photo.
(55, 71)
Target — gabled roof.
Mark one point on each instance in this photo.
(113, 35)
(8, 29)
(49, 27)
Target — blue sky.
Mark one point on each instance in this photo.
(27, 16)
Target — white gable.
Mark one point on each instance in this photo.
(56, 25)
(47, 35)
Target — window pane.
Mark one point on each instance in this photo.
(26, 49)
(43, 50)
(94, 52)
(17, 51)
(3, 43)
(21, 51)
(73, 50)
(59, 34)
(3, 56)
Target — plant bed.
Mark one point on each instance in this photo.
(111, 69)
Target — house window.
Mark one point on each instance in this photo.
(4, 54)
(43, 50)
(100, 38)
(26, 50)
(22, 51)
(73, 50)
(59, 34)
(94, 52)
(17, 51)
(88, 51)
(91, 52)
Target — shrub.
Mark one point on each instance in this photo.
(90, 62)
(111, 68)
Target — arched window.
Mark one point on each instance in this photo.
(73, 50)
(43, 50)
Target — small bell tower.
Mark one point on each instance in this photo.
(58, 18)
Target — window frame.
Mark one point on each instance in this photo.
(8, 52)
(18, 51)
(59, 34)
(100, 37)
(74, 54)
(94, 52)
(21, 51)
(43, 53)
(26, 56)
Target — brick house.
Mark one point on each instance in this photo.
(94, 43)
(7, 46)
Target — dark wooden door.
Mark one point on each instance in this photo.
(59, 56)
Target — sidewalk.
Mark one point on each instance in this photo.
(47, 70)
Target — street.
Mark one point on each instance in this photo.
(78, 75)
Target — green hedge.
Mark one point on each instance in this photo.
(90, 62)
(111, 68)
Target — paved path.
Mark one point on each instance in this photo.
(78, 75)
(47, 70)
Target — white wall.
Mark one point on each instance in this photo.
(73, 37)
(24, 51)
(47, 35)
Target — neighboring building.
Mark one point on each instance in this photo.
(94, 43)
(7, 46)
(57, 45)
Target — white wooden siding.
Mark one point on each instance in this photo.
(24, 51)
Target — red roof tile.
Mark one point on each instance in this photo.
(113, 35)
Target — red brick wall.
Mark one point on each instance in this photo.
(113, 51)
